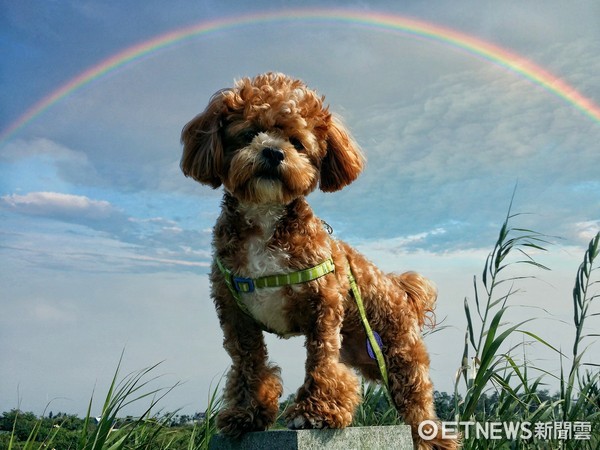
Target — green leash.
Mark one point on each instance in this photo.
(368, 330)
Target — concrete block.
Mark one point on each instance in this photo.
(352, 438)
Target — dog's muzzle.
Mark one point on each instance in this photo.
(271, 159)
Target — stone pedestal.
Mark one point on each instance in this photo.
(353, 438)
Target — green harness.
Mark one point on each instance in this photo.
(240, 285)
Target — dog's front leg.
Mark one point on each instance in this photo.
(329, 395)
(253, 386)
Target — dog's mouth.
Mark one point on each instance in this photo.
(268, 173)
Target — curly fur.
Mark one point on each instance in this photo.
(270, 141)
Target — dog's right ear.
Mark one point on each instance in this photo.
(202, 157)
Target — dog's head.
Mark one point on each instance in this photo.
(269, 139)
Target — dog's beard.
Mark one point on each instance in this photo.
(265, 190)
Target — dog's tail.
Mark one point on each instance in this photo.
(422, 295)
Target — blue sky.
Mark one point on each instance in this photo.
(104, 244)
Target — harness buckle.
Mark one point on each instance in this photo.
(242, 284)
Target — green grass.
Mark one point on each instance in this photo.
(489, 366)
(149, 431)
(494, 382)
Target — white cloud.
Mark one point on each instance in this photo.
(124, 243)
(70, 165)
(59, 206)
(587, 230)
(403, 244)
(21, 149)
(73, 215)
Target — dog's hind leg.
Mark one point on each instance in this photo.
(412, 392)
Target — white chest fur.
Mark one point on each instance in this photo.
(266, 304)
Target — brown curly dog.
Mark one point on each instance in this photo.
(270, 141)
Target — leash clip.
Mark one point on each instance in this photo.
(327, 227)
(242, 284)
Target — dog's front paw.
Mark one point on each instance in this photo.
(316, 415)
(301, 422)
(237, 421)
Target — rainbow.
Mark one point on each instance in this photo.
(378, 21)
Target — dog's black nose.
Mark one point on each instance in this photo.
(273, 155)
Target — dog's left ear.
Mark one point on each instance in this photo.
(343, 162)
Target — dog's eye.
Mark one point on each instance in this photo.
(248, 135)
(297, 144)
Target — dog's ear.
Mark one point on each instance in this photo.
(343, 162)
(202, 147)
